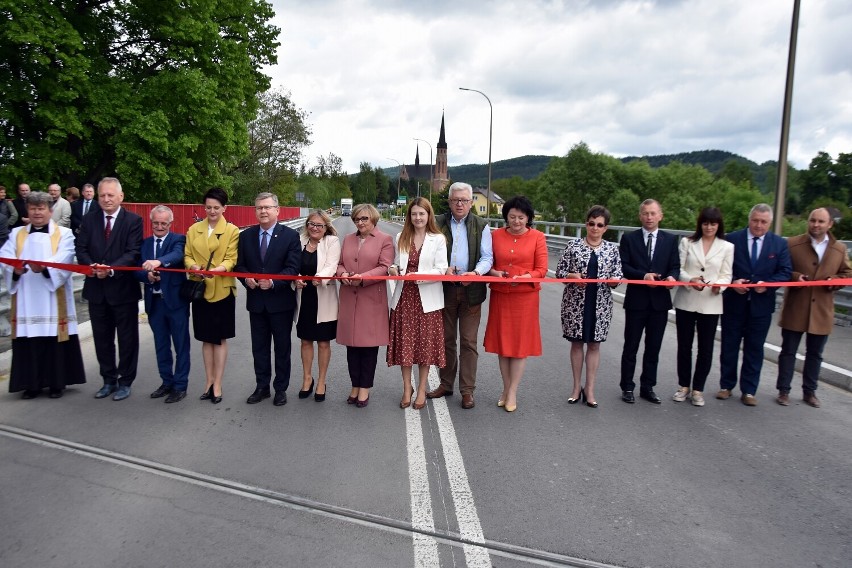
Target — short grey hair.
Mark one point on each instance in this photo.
(266, 195)
(461, 186)
(113, 181)
(162, 209)
(762, 208)
(650, 202)
(37, 198)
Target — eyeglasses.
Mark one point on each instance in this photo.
(265, 207)
(459, 201)
(591, 224)
(316, 225)
(161, 223)
(361, 219)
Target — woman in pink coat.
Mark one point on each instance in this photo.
(362, 322)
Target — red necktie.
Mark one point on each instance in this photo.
(108, 228)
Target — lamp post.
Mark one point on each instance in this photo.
(490, 132)
(431, 166)
(781, 184)
(398, 177)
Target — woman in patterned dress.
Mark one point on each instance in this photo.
(416, 322)
(587, 308)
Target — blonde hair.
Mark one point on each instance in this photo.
(329, 228)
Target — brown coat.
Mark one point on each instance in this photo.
(362, 319)
(811, 308)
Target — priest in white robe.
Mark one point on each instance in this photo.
(45, 347)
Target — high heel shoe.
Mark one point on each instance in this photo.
(501, 403)
(213, 398)
(510, 407)
(208, 394)
(419, 405)
(576, 400)
(307, 393)
(319, 397)
(405, 403)
(589, 403)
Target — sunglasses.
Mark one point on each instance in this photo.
(593, 224)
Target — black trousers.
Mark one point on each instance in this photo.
(267, 327)
(109, 322)
(653, 324)
(814, 344)
(688, 325)
(362, 365)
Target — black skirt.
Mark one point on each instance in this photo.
(214, 321)
(307, 327)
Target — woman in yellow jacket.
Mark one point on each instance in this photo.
(213, 318)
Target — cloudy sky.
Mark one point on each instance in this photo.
(626, 77)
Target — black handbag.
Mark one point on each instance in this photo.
(193, 290)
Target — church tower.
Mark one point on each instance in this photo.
(441, 176)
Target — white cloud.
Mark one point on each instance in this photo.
(627, 77)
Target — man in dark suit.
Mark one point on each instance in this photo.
(20, 204)
(83, 206)
(269, 248)
(168, 314)
(759, 256)
(109, 239)
(647, 254)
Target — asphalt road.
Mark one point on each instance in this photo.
(141, 483)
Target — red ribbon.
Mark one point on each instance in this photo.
(88, 271)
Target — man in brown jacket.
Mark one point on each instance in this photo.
(816, 255)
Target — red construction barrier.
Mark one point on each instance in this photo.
(186, 215)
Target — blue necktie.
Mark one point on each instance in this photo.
(263, 245)
(754, 252)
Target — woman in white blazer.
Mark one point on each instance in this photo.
(706, 261)
(416, 322)
(316, 300)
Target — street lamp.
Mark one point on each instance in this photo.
(398, 177)
(431, 166)
(490, 131)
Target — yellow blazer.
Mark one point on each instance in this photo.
(223, 240)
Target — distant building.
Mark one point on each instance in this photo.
(440, 175)
(481, 196)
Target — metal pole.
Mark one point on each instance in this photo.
(431, 168)
(781, 187)
(398, 177)
(490, 133)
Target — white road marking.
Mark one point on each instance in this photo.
(466, 515)
(425, 547)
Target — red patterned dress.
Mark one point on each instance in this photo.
(415, 338)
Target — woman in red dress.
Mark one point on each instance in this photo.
(513, 332)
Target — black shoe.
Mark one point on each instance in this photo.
(55, 393)
(280, 398)
(176, 396)
(258, 395)
(106, 390)
(627, 396)
(307, 393)
(319, 397)
(28, 394)
(161, 392)
(216, 399)
(208, 394)
(650, 396)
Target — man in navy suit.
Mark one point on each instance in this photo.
(83, 206)
(168, 314)
(269, 248)
(759, 256)
(647, 254)
(109, 239)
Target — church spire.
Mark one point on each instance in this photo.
(442, 140)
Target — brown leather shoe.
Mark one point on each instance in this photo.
(467, 401)
(811, 400)
(783, 399)
(749, 400)
(439, 392)
(724, 394)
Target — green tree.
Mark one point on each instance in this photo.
(277, 138)
(573, 183)
(157, 93)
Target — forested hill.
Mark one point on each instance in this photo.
(529, 167)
